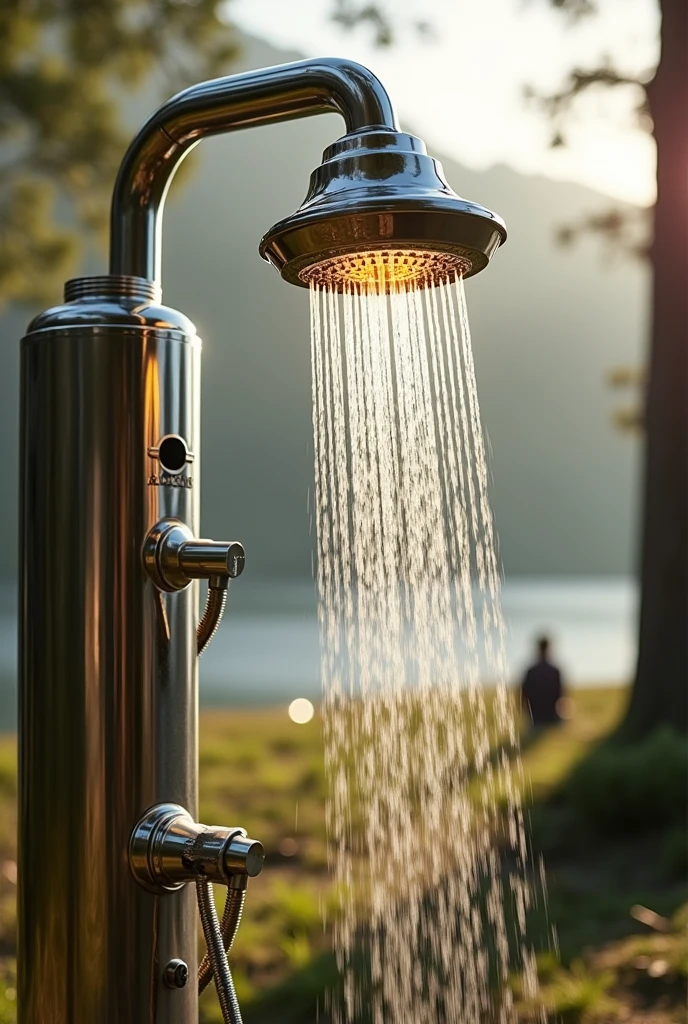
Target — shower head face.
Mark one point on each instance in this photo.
(380, 214)
(385, 269)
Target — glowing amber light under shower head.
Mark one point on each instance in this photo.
(382, 270)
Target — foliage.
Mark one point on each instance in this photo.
(558, 105)
(605, 73)
(674, 856)
(625, 230)
(349, 14)
(382, 17)
(257, 768)
(574, 995)
(659, 693)
(660, 108)
(65, 69)
(640, 978)
(576, 8)
(8, 993)
(633, 789)
(65, 66)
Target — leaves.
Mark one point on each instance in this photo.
(64, 66)
(557, 106)
(382, 18)
(349, 15)
(35, 253)
(624, 230)
(576, 9)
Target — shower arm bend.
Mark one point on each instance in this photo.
(267, 96)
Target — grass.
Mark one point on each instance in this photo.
(610, 825)
(614, 898)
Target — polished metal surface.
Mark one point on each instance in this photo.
(168, 848)
(216, 601)
(377, 189)
(109, 517)
(229, 925)
(243, 856)
(260, 97)
(172, 453)
(202, 559)
(107, 695)
(214, 939)
(176, 974)
(173, 557)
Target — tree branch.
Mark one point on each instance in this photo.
(384, 23)
(62, 62)
(557, 106)
(576, 9)
(625, 230)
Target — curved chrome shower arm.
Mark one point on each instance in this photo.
(222, 105)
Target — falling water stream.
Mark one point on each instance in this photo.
(426, 832)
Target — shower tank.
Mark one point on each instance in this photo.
(110, 563)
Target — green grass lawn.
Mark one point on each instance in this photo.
(614, 900)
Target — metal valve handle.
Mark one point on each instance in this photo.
(173, 557)
(168, 848)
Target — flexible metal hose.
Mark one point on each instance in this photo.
(224, 983)
(229, 926)
(212, 616)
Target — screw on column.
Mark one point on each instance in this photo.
(176, 974)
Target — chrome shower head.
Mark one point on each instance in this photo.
(379, 210)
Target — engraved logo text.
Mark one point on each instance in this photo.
(165, 480)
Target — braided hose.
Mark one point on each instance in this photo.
(212, 616)
(224, 983)
(231, 919)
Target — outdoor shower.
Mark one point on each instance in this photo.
(110, 560)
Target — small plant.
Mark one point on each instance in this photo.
(622, 790)
(674, 855)
(8, 994)
(579, 995)
(297, 949)
(296, 906)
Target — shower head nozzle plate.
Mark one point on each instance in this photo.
(385, 269)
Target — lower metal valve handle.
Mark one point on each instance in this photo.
(173, 557)
(168, 848)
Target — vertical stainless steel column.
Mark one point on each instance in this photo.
(108, 696)
(108, 683)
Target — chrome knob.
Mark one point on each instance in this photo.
(173, 557)
(167, 848)
(243, 856)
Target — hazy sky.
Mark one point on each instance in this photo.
(462, 88)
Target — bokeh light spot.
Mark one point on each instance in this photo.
(301, 711)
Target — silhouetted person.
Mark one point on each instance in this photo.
(542, 688)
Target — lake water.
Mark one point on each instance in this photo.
(266, 651)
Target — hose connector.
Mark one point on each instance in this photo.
(168, 848)
(173, 557)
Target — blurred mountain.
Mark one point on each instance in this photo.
(548, 323)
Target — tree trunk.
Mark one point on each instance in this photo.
(660, 693)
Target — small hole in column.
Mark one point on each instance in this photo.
(172, 453)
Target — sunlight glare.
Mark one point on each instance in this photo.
(301, 711)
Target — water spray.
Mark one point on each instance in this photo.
(110, 850)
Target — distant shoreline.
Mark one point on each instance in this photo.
(275, 704)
